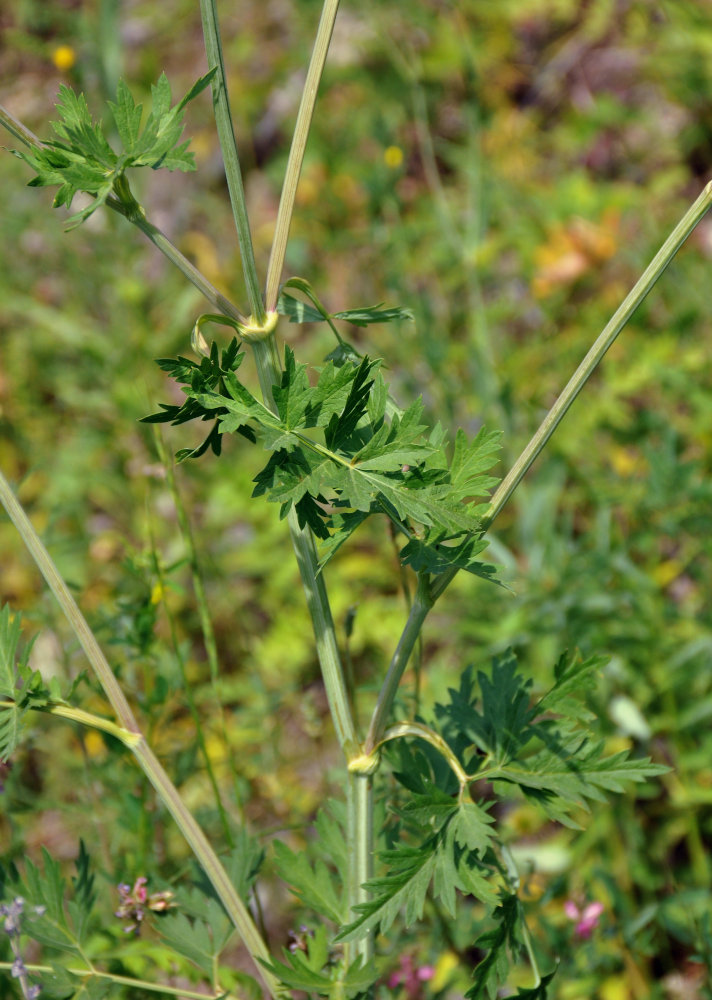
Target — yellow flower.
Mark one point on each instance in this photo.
(64, 57)
(393, 156)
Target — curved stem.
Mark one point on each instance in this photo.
(296, 152)
(76, 619)
(228, 146)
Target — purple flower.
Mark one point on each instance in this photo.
(18, 968)
(12, 913)
(586, 919)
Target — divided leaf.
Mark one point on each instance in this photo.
(81, 159)
(543, 747)
(315, 886)
(309, 968)
(21, 688)
(338, 455)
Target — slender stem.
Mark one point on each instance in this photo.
(409, 637)
(161, 241)
(359, 823)
(129, 738)
(360, 850)
(622, 315)
(147, 760)
(236, 909)
(228, 146)
(325, 635)
(136, 984)
(20, 131)
(193, 708)
(296, 153)
(76, 619)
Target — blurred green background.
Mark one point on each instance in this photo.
(506, 171)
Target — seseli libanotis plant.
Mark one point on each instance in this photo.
(335, 449)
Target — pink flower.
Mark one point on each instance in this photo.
(586, 919)
(410, 977)
(134, 901)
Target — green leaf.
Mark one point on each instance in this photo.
(307, 967)
(61, 983)
(401, 892)
(81, 159)
(501, 729)
(336, 457)
(193, 939)
(500, 942)
(472, 827)
(84, 895)
(315, 886)
(21, 688)
(127, 115)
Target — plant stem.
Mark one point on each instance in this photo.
(409, 637)
(210, 863)
(589, 364)
(359, 834)
(325, 635)
(192, 707)
(359, 816)
(228, 146)
(134, 739)
(76, 619)
(296, 152)
(161, 241)
(136, 984)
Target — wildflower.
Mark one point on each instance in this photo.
(393, 156)
(135, 900)
(64, 57)
(410, 976)
(586, 919)
(299, 940)
(18, 968)
(12, 912)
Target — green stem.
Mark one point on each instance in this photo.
(147, 760)
(136, 984)
(76, 619)
(359, 834)
(558, 411)
(228, 146)
(418, 613)
(210, 863)
(161, 241)
(129, 738)
(360, 788)
(296, 152)
(20, 131)
(154, 234)
(192, 707)
(325, 635)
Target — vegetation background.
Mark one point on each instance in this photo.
(506, 171)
